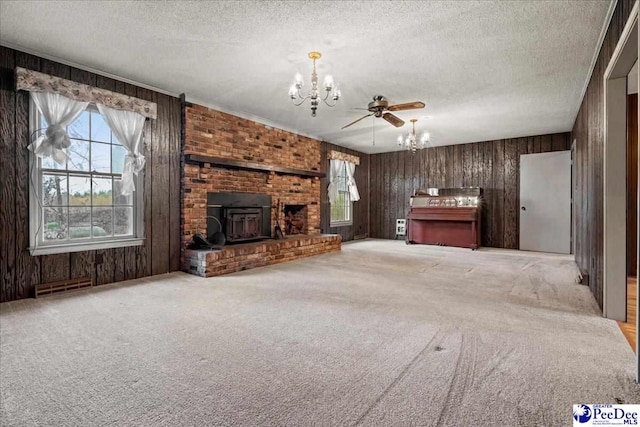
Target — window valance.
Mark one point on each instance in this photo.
(338, 155)
(34, 81)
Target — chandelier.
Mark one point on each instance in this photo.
(314, 95)
(410, 142)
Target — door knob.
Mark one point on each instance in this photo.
(523, 208)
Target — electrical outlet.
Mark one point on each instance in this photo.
(99, 259)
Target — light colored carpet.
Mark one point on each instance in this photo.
(380, 334)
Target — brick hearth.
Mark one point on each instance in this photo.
(229, 259)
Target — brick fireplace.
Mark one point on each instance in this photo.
(225, 154)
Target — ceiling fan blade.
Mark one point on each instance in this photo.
(356, 121)
(394, 120)
(407, 106)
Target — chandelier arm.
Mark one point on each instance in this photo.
(301, 102)
(329, 105)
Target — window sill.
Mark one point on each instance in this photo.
(84, 246)
(341, 224)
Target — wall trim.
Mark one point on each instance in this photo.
(594, 59)
(87, 68)
(622, 41)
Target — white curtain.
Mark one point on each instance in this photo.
(127, 127)
(334, 170)
(351, 182)
(59, 111)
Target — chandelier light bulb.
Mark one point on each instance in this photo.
(293, 91)
(336, 94)
(328, 83)
(425, 139)
(299, 81)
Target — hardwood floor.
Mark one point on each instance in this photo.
(629, 327)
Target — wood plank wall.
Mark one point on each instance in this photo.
(492, 165)
(632, 184)
(360, 226)
(19, 271)
(588, 132)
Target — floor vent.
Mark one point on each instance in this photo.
(62, 286)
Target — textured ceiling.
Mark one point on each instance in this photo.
(486, 70)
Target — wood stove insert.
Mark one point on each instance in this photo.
(244, 216)
(243, 224)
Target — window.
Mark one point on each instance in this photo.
(78, 206)
(341, 209)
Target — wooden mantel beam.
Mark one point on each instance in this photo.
(239, 164)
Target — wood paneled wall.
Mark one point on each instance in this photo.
(632, 184)
(19, 271)
(588, 131)
(360, 226)
(492, 165)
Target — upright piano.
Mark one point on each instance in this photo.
(446, 217)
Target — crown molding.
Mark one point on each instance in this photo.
(89, 69)
(594, 59)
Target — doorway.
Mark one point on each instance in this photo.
(620, 184)
(629, 327)
(615, 172)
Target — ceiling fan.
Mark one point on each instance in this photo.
(380, 107)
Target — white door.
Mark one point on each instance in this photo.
(545, 202)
